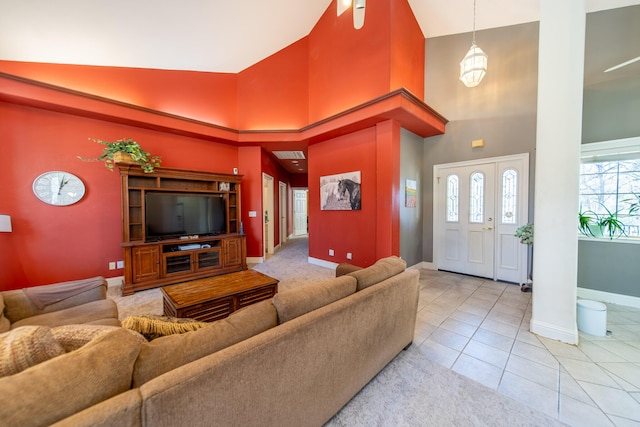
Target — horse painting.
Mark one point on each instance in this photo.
(351, 190)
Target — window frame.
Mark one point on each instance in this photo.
(617, 149)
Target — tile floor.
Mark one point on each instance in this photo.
(479, 328)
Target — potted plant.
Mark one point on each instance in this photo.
(610, 225)
(593, 225)
(125, 150)
(525, 234)
(586, 218)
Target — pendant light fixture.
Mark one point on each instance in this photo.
(473, 66)
(358, 10)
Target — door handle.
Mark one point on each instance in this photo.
(487, 228)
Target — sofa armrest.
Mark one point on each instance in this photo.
(346, 268)
(18, 305)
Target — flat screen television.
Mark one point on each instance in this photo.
(172, 215)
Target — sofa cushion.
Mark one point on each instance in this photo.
(166, 353)
(101, 309)
(26, 346)
(64, 385)
(296, 302)
(5, 325)
(72, 337)
(381, 270)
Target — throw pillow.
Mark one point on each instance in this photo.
(26, 346)
(72, 337)
(5, 325)
(152, 327)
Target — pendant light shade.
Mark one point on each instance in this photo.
(473, 66)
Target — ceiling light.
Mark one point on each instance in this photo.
(358, 11)
(473, 66)
(343, 5)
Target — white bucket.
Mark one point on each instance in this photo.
(592, 317)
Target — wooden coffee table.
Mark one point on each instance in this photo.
(217, 297)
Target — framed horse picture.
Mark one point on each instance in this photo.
(340, 192)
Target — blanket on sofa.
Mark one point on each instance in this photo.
(42, 296)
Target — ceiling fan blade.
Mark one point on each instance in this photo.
(624, 64)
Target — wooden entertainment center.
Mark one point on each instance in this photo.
(149, 264)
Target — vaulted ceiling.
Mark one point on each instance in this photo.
(230, 36)
(209, 35)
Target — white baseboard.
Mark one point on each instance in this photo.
(255, 260)
(569, 336)
(322, 263)
(612, 298)
(115, 281)
(423, 265)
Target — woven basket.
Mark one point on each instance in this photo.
(123, 158)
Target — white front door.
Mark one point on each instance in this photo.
(478, 207)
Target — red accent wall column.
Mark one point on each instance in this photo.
(388, 189)
(250, 167)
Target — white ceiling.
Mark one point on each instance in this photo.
(209, 35)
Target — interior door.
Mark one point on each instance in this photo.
(282, 196)
(478, 208)
(300, 212)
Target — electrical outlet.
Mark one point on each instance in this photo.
(331, 253)
(349, 255)
(120, 264)
(112, 265)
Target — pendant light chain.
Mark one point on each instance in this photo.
(474, 21)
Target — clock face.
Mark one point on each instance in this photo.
(58, 188)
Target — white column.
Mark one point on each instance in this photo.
(559, 130)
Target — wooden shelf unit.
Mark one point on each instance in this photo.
(149, 264)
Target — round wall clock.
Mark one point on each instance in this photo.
(58, 188)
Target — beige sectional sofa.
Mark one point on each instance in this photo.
(294, 360)
(75, 302)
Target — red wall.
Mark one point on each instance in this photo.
(344, 231)
(329, 71)
(209, 97)
(273, 93)
(374, 231)
(51, 243)
(341, 60)
(407, 50)
(250, 159)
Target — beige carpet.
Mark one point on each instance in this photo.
(410, 391)
(413, 391)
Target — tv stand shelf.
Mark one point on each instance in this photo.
(149, 264)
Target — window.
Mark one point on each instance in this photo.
(476, 205)
(509, 196)
(610, 181)
(453, 188)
